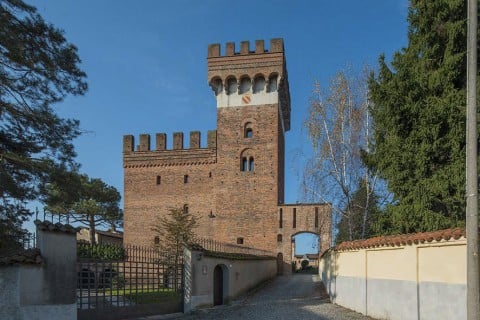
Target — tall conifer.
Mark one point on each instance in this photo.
(419, 118)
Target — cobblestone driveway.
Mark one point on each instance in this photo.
(286, 297)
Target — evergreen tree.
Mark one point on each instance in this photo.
(419, 120)
(84, 200)
(174, 230)
(38, 68)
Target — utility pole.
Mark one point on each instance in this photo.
(473, 284)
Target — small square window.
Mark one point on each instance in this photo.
(239, 240)
(279, 238)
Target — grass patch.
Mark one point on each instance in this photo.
(146, 296)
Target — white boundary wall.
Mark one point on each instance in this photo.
(421, 282)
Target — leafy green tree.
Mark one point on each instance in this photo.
(87, 201)
(38, 68)
(419, 120)
(351, 226)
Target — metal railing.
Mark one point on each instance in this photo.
(112, 276)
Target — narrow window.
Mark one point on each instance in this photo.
(185, 178)
(316, 217)
(294, 217)
(251, 164)
(279, 238)
(244, 164)
(159, 180)
(185, 208)
(156, 240)
(248, 130)
(239, 240)
(280, 219)
(210, 174)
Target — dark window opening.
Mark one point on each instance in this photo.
(294, 217)
(159, 180)
(251, 164)
(232, 86)
(316, 217)
(185, 208)
(210, 174)
(185, 178)
(239, 240)
(280, 219)
(247, 164)
(244, 164)
(157, 240)
(279, 238)
(248, 130)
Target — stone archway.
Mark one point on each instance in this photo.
(305, 247)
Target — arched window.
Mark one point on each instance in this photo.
(272, 83)
(245, 85)
(244, 164)
(232, 85)
(258, 84)
(251, 164)
(247, 162)
(185, 208)
(248, 131)
(217, 86)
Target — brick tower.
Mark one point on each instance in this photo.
(253, 113)
(235, 184)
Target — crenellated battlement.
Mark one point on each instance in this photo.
(250, 77)
(276, 45)
(161, 142)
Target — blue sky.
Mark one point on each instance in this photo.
(147, 73)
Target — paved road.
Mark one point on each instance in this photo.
(286, 297)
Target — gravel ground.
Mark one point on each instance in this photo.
(286, 297)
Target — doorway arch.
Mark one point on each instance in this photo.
(279, 263)
(220, 284)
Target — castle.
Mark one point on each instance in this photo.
(234, 185)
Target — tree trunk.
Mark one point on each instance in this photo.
(92, 229)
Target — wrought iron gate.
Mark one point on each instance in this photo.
(116, 282)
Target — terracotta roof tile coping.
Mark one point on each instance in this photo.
(403, 239)
(56, 227)
(30, 256)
